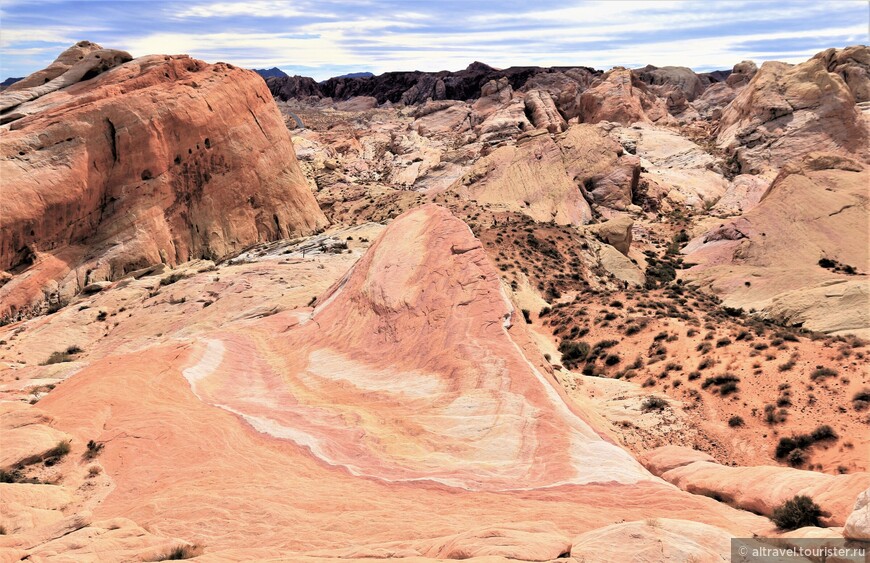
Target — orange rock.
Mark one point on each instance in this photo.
(407, 405)
(623, 98)
(787, 111)
(210, 170)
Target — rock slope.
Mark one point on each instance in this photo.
(162, 159)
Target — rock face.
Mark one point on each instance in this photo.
(741, 74)
(80, 62)
(543, 112)
(208, 172)
(760, 489)
(786, 111)
(287, 87)
(816, 208)
(673, 77)
(61, 64)
(619, 96)
(417, 87)
(853, 65)
(534, 178)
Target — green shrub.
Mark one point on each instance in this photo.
(653, 404)
(735, 421)
(797, 512)
(573, 352)
(822, 373)
(824, 432)
(796, 457)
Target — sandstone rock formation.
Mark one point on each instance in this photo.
(815, 209)
(417, 87)
(92, 64)
(543, 112)
(65, 61)
(533, 178)
(760, 489)
(210, 171)
(786, 111)
(853, 65)
(615, 232)
(564, 86)
(672, 77)
(619, 96)
(741, 74)
(857, 525)
(367, 433)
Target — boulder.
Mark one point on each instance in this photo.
(741, 74)
(858, 523)
(616, 232)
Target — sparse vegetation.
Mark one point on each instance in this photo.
(64, 356)
(822, 373)
(573, 352)
(736, 421)
(797, 512)
(94, 449)
(861, 400)
(179, 553)
(653, 404)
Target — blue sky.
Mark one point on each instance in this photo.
(325, 38)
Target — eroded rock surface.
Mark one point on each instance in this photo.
(208, 172)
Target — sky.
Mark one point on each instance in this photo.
(324, 38)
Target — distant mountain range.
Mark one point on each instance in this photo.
(9, 82)
(270, 72)
(276, 72)
(355, 75)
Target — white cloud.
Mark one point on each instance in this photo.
(252, 8)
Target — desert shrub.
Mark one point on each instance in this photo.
(797, 512)
(822, 373)
(705, 363)
(719, 380)
(573, 352)
(605, 344)
(861, 400)
(179, 553)
(61, 449)
(796, 457)
(722, 342)
(94, 449)
(728, 388)
(693, 375)
(612, 359)
(824, 432)
(64, 356)
(632, 329)
(786, 366)
(653, 404)
(735, 421)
